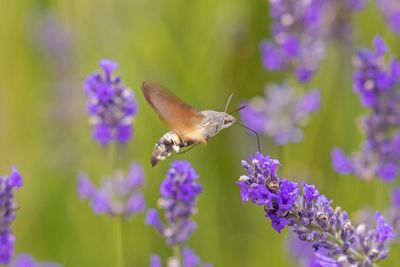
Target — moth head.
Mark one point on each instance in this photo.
(228, 121)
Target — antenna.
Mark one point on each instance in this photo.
(248, 128)
(227, 102)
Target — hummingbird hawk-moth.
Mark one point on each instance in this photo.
(189, 127)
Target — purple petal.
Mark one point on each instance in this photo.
(85, 187)
(155, 261)
(102, 133)
(190, 259)
(135, 204)
(341, 163)
(15, 179)
(100, 202)
(153, 219)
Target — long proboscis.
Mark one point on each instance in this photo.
(238, 109)
(248, 128)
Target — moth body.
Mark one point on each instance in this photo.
(189, 126)
(212, 124)
(167, 144)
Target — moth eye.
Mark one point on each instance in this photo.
(226, 122)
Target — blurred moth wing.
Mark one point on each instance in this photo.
(185, 120)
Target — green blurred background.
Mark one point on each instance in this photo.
(203, 51)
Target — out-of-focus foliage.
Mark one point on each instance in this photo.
(203, 51)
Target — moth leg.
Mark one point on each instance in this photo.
(190, 148)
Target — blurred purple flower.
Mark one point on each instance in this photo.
(356, 5)
(341, 163)
(7, 214)
(300, 31)
(302, 252)
(111, 106)
(117, 195)
(281, 113)
(391, 11)
(376, 81)
(26, 260)
(179, 191)
(309, 214)
(190, 259)
(296, 44)
(155, 261)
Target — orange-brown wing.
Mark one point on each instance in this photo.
(181, 117)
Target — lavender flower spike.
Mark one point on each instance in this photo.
(301, 30)
(111, 106)
(309, 214)
(297, 43)
(117, 195)
(281, 113)
(179, 191)
(377, 82)
(7, 214)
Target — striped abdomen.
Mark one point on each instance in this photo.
(168, 143)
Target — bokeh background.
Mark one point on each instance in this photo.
(203, 51)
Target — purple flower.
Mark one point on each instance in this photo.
(373, 77)
(155, 261)
(300, 31)
(302, 252)
(296, 44)
(179, 191)
(310, 216)
(190, 259)
(376, 81)
(117, 195)
(341, 163)
(356, 5)
(111, 106)
(281, 113)
(391, 11)
(26, 260)
(7, 214)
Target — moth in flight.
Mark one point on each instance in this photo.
(189, 126)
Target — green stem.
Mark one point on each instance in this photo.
(177, 253)
(119, 247)
(112, 157)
